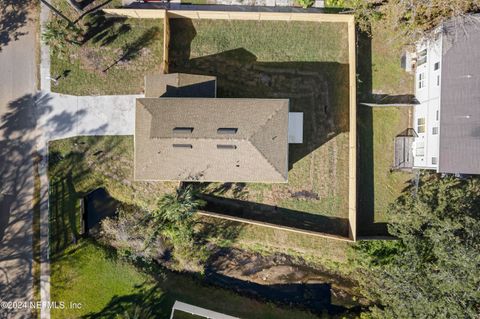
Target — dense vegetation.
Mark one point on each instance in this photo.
(433, 270)
(411, 18)
(169, 230)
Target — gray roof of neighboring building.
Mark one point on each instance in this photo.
(257, 152)
(460, 100)
(180, 85)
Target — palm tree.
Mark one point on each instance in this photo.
(58, 34)
(180, 206)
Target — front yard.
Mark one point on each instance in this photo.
(113, 55)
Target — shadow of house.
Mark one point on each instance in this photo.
(318, 89)
(204, 89)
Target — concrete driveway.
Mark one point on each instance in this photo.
(62, 116)
(17, 142)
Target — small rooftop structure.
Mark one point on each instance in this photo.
(211, 139)
(403, 149)
(196, 311)
(295, 127)
(180, 85)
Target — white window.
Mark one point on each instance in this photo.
(422, 57)
(420, 149)
(421, 125)
(421, 80)
(434, 160)
(435, 130)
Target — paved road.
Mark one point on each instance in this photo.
(17, 126)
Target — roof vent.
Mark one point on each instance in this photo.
(183, 130)
(182, 145)
(227, 130)
(226, 147)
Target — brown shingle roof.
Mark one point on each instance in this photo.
(258, 152)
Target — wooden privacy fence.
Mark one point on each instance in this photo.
(277, 16)
(166, 43)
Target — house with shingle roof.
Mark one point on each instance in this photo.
(204, 139)
(447, 86)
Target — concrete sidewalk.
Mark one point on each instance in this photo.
(62, 116)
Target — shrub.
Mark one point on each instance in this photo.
(129, 232)
(306, 3)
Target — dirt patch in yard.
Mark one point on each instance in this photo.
(283, 274)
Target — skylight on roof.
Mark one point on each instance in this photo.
(183, 130)
(227, 130)
(182, 145)
(226, 147)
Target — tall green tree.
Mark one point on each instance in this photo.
(433, 270)
(412, 19)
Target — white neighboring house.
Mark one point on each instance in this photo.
(426, 119)
(447, 87)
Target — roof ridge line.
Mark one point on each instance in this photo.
(266, 158)
(265, 123)
(255, 133)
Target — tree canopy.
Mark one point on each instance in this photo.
(411, 18)
(433, 270)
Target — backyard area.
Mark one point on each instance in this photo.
(306, 62)
(108, 55)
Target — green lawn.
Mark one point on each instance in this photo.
(80, 165)
(88, 275)
(380, 186)
(307, 63)
(380, 72)
(106, 287)
(388, 77)
(115, 55)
